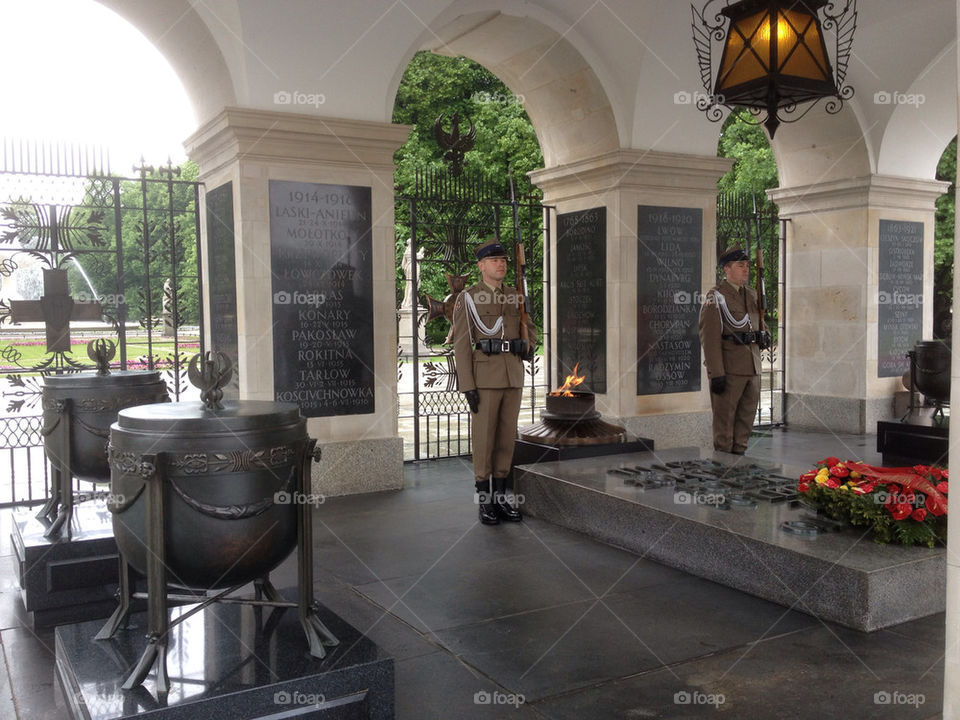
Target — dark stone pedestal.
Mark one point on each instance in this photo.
(919, 441)
(525, 453)
(227, 661)
(69, 579)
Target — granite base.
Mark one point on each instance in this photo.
(72, 578)
(526, 453)
(227, 661)
(839, 576)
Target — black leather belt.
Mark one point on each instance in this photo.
(744, 338)
(495, 346)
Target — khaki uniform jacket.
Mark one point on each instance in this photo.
(474, 368)
(727, 357)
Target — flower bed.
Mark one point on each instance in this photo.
(906, 505)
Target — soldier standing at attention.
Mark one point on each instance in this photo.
(732, 334)
(489, 357)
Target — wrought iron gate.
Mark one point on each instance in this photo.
(127, 250)
(439, 224)
(745, 219)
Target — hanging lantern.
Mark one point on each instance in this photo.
(774, 57)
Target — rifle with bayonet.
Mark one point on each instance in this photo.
(521, 265)
(765, 340)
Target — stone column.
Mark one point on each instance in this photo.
(249, 148)
(832, 295)
(951, 659)
(622, 181)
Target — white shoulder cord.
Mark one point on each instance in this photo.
(475, 316)
(725, 314)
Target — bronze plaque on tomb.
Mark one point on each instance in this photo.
(582, 296)
(899, 294)
(222, 281)
(322, 297)
(669, 246)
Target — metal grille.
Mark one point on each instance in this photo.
(442, 220)
(746, 219)
(137, 237)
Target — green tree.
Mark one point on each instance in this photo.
(137, 211)
(943, 241)
(744, 211)
(433, 85)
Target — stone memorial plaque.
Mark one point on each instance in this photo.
(669, 245)
(222, 281)
(582, 296)
(900, 295)
(321, 259)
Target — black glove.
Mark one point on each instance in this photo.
(473, 400)
(718, 384)
(765, 342)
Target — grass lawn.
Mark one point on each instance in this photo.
(22, 352)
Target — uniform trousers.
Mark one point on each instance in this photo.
(733, 412)
(495, 432)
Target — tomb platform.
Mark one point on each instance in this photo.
(739, 523)
(227, 661)
(70, 578)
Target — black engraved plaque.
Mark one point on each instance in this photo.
(582, 296)
(321, 261)
(669, 246)
(900, 295)
(223, 280)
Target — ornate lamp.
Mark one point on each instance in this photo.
(774, 57)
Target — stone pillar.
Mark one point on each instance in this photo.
(833, 292)
(951, 659)
(250, 148)
(622, 181)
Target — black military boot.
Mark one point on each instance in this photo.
(504, 508)
(488, 510)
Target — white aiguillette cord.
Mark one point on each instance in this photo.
(726, 315)
(497, 328)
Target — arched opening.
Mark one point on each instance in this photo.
(944, 240)
(460, 178)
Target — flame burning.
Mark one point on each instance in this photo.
(571, 382)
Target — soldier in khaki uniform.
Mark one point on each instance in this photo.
(488, 352)
(732, 334)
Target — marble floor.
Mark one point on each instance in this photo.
(530, 620)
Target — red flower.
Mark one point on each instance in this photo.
(919, 514)
(803, 486)
(945, 473)
(943, 486)
(936, 472)
(934, 507)
(867, 487)
(921, 469)
(900, 511)
(808, 476)
(829, 462)
(839, 471)
(893, 488)
(831, 483)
